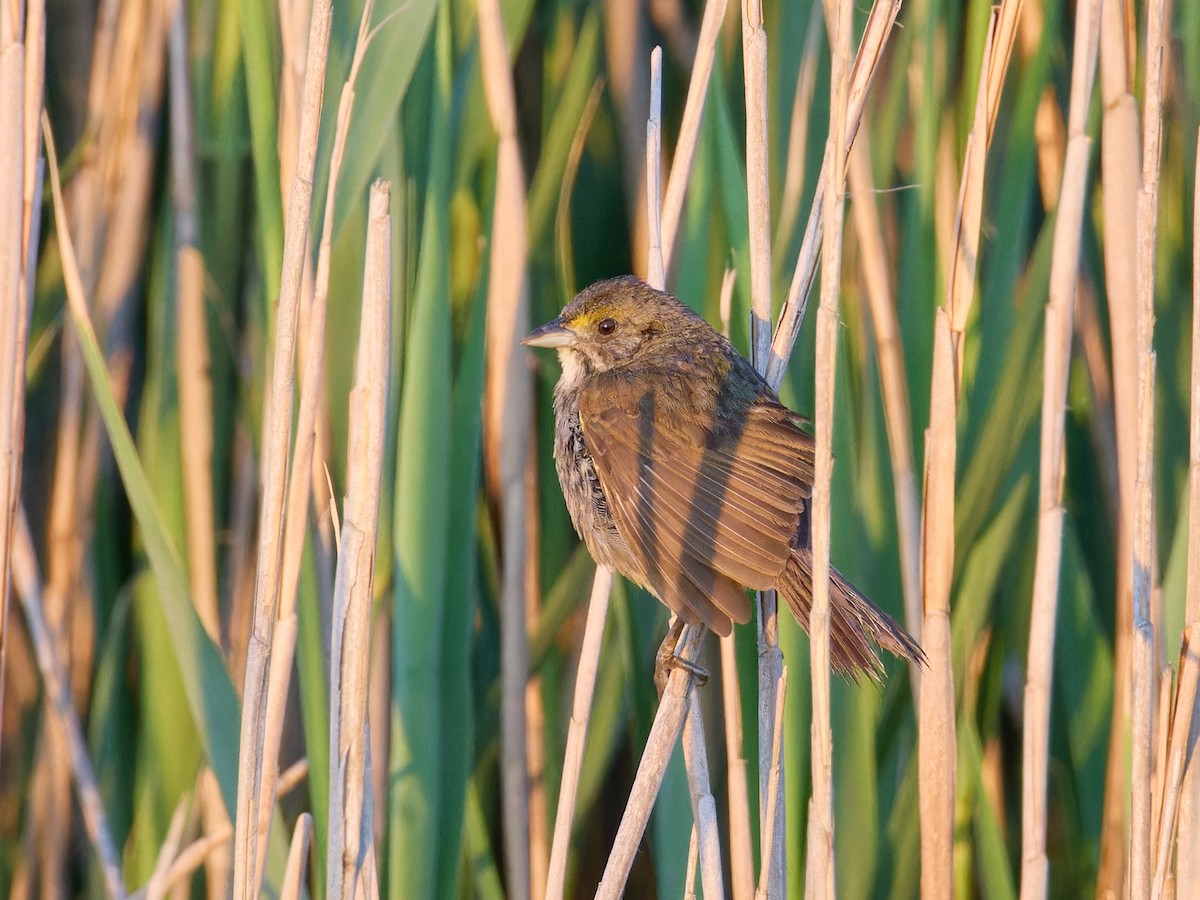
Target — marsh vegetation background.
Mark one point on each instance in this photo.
(180, 137)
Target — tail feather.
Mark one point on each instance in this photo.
(856, 624)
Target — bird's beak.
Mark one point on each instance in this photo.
(552, 334)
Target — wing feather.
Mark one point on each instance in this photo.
(706, 508)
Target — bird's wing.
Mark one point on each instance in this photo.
(706, 509)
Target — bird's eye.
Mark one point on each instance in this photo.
(607, 326)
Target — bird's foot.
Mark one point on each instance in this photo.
(668, 658)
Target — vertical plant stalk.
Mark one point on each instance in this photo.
(935, 712)
(758, 198)
(655, 266)
(1064, 270)
(704, 805)
(1120, 167)
(689, 127)
(61, 705)
(1182, 724)
(821, 878)
(278, 424)
(741, 859)
(299, 487)
(1144, 663)
(12, 312)
(508, 406)
(350, 648)
(1188, 859)
(889, 353)
(870, 49)
(192, 362)
(774, 780)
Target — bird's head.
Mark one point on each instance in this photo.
(614, 323)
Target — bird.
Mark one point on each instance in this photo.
(682, 471)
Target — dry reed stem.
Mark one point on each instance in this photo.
(1059, 327)
(758, 197)
(656, 274)
(821, 883)
(1120, 165)
(935, 711)
(774, 782)
(704, 805)
(664, 732)
(741, 858)
(61, 704)
(758, 180)
(689, 126)
(889, 354)
(693, 863)
(1181, 727)
(581, 709)
(277, 428)
(1188, 859)
(299, 487)
(508, 412)
(797, 142)
(879, 26)
(192, 362)
(1162, 730)
(297, 861)
(1144, 667)
(350, 646)
(12, 314)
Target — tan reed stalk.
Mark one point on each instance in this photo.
(879, 26)
(821, 877)
(61, 704)
(758, 196)
(1144, 664)
(1059, 328)
(625, 48)
(774, 781)
(12, 265)
(938, 751)
(297, 861)
(937, 687)
(214, 820)
(1162, 730)
(704, 805)
(741, 859)
(889, 353)
(508, 412)
(693, 863)
(581, 708)
(299, 487)
(797, 143)
(192, 361)
(277, 427)
(1119, 168)
(1188, 853)
(1182, 722)
(741, 854)
(350, 645)
(689, 126)
(664, 732)
(656, 270)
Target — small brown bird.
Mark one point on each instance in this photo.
(683, 471)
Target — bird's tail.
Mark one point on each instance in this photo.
(856, 624)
